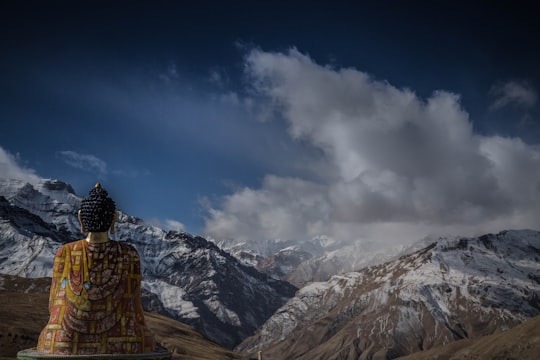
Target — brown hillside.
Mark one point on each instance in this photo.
(23, 313)
(519, 343)
(456, 288)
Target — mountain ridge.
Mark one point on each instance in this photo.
(453, 289)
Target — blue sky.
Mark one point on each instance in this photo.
(257, 120)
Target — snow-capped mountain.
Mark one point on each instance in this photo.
(185, 277)
(455, 288)
(317, 259)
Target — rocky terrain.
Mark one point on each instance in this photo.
(519, 343)
(456, 288)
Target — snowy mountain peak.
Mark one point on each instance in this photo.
(56, 185)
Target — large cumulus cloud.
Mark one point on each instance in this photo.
(393, 165)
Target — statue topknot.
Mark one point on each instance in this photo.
(97, 210)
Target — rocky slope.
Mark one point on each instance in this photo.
(185, 277)
(519, 343)
(453, 289)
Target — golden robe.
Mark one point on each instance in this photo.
(95, 302)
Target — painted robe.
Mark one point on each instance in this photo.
(95, 302)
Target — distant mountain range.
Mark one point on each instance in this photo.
(185, 277)
(316, 259)
(453, 289)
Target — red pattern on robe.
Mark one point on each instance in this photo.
(95, 302)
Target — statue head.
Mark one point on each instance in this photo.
(98, 211)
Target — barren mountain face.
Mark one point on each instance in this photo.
(453, 289)
(521, 342)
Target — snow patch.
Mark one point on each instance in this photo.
(172, 298)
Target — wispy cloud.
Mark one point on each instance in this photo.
(170, 74)
(175, 225)
(168, 224)
(10, 168)
(392, 165)
(86, 162)
(513, 92)
(93, 164)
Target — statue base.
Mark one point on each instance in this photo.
(33, 354)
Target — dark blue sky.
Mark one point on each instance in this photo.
(149, 97)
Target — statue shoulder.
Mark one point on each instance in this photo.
(75, 245)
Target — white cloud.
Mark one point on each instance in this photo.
(10, 168)
(513, 92)
(282, 208)
(86, 162)
(389, 161)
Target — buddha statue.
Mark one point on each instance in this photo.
(95, 297)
